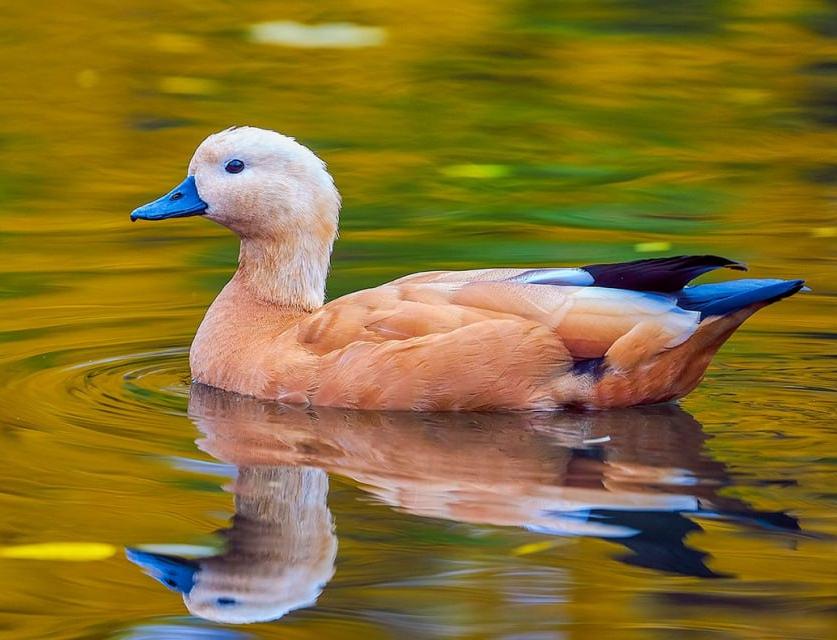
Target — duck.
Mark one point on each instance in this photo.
(599, 336)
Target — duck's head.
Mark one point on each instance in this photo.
(276, 195)
(256, 182)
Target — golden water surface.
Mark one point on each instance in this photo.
(461, 134)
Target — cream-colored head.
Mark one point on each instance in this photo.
(282, 203)
(277, 196)
(262, 184)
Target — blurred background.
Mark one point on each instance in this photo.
(461, 134)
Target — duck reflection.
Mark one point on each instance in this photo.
(635, 477)
(279, 551)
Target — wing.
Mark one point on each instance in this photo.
(590, 308)
(587, 321)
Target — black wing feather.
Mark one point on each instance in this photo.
(664, 275)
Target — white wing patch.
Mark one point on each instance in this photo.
(567, 277)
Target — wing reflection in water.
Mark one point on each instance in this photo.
(635, 477)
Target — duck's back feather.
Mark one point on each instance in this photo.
(660, 275)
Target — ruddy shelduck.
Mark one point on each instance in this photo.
(599, 336)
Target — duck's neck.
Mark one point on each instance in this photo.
(289, 273)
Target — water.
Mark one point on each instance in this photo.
(461, 135)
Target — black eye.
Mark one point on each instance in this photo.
(225, 602)
(234, 166)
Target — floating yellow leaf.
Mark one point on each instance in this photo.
(177, 43)
(748, 96)
(67, 551)
(87, 78)
(650, 247)
(532, 547)
(182, 85)
(476, 171)
(824, 232)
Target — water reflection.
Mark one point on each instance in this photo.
(279, 554)
(639, 478)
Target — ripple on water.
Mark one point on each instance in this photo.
(108, 388)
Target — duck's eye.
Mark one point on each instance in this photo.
(234, 166)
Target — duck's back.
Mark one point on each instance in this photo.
(512, 339)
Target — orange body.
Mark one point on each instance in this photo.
(441, 342)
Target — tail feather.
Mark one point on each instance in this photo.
(727, 297)
(674, 372)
